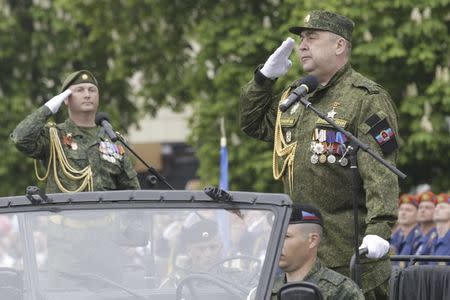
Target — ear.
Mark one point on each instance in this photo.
(66, 101)
(341, 44)
(314, 240)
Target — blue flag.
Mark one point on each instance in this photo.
(223, 164)
(223, 218)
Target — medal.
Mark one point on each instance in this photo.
(322, 135)
(74, 146)
(333, 112)
(314, 159)
(331, 159)
(318, 148)
(322, 158)
(288, 136)
(343, 161)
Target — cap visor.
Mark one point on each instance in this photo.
(296, 30)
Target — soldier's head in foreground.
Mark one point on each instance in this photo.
(302, 238)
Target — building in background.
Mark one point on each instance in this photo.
(161, 142)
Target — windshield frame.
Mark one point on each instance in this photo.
(278, 204)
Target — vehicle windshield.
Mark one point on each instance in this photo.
(133, 253)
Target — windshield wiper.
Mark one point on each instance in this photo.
(87, 276)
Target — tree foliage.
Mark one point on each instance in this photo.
(403, 45)
(149, 53)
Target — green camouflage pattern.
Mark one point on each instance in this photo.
(328, 21)
(81, 76)
(333, 285)
(329, 186)
(31, 137)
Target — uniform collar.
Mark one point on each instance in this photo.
(341, 73)
(70, 126)
(314, 270)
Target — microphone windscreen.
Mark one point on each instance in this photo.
(99, 117)
(311, 82)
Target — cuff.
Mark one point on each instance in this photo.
(259, 78)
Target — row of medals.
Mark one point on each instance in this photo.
(324, 148)
(111, 152)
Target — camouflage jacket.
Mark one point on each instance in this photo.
(82, 147)
(355, 102)
(333, 285)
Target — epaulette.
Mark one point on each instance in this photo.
(333, 277)
(366, 84)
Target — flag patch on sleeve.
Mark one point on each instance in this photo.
(382, 132)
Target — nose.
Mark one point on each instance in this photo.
(303, 45)
(86, 93)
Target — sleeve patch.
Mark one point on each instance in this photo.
(382, 132)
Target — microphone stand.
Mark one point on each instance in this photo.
(355, 145)
(156, 175)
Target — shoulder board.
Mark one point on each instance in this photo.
(368, 85)
(332, 277)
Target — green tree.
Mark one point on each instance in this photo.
(133, 48)
(403, 45)
(149, 53)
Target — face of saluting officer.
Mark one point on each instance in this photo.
(322, 53)
(84, 99)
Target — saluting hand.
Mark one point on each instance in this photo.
(56, 101)
(279, 63)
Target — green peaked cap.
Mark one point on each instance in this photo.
(81, 76)
(327, 21)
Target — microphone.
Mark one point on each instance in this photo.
(307, 85)
(101, 119)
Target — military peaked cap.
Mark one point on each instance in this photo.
(81, 76)
(327, 21)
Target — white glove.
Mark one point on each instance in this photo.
(56, 101)
(377, 246)
(278, 63)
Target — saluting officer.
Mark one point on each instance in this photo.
(311, 158)
(77, 155)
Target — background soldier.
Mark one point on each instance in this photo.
(425, 214)
(408, 232)
(299, 257)
(441, 245)
(78, 154)
(311, 158)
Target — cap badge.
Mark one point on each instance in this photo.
(307, 18)
(84, 76)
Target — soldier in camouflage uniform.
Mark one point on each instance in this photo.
(312, 159)
(78, 155)
(299, 258)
